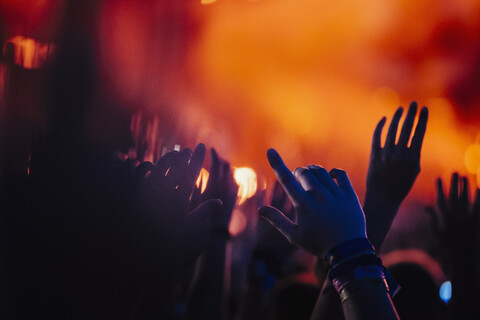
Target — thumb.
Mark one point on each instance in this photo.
(205, 211)
(280, 222)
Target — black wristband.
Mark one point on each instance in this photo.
(347, 249)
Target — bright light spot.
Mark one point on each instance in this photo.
(176, 147)
(28, 52)
(478, 178)
(446, 291)
(472, 158)
(238, 222)
(208, 1)
(246, 179)
(202, 180)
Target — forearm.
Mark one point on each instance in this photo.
(464, 291)
(379, 216)
(328, 304)
(205, 301)
(368, 300)
(357, 286)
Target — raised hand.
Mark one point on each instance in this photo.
(328, 212)
(165, 190)
(458, 227)
(458, 219)
(270, 239)
(207, 290)
(392, 170)
(221, 185)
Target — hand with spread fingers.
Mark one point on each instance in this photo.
(458, 219)
(206, 294)
(268, 238)
(327, 212)
(392, 170)
(221, 185)
(165, 190)
(457, 226)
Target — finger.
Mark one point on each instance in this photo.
(392, 130)
(464, 194)
(143, 168)
(178, 172)
(226, 172)
(453, 197)
(205, 211)
(196, 161)
(165, 162)
(342, 179)
(435, 219)
(408, 125)
(278, 220)
(214, 165)
(441, 202)
(286, 178)
(417, 140)
(279, 196)
(231, 182)
(324, 177)
(377, 136)
(195, 199)
(308, 180)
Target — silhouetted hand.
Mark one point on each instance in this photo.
(165, 191)
(221, 185)
(328, 213)
(205, 301)
(457, 227)
(269, 238)
(458, 219)
(392, 171)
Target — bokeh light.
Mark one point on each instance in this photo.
(238, 222)
(202, 180)
(246, 179)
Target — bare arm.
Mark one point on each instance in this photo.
(391, 174)
(329, 216)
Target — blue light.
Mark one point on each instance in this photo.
(446, 291)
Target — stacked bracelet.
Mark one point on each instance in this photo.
(353, 264)
(349, 249)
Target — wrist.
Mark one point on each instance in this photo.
(354, 264)
(381, 202)
(347, 250)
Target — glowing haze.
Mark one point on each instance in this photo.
(309, 78)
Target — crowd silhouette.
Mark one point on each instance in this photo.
(89, 231)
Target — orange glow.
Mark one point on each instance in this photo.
(202, 180)
(208, 1)
(472, 158)
(246, 179)
(29, 53)
(478, 178)
(238, 222)
(307, 77)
